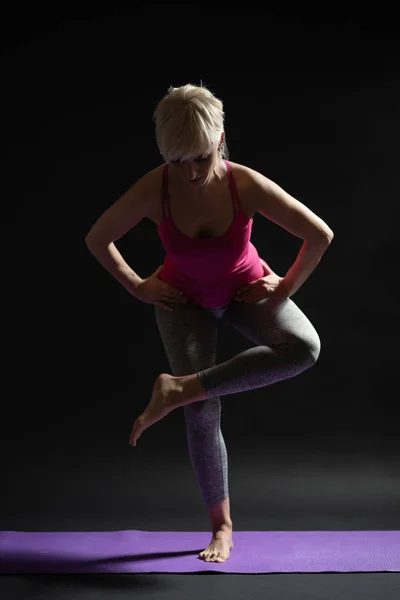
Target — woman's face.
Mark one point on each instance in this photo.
(198, 170)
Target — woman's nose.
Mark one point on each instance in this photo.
(192, 171)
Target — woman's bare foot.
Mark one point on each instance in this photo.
(169, 392)
(219, 548)
(166, 395)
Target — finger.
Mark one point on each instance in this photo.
(250, 289)
(179, 300)
(254, 298)
(164, 306)
(177, 293)
(243, 291)
(267, 269)
(168, 294)
(172, 292)
(240, 296)
(250, 296)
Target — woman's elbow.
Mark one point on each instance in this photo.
(93, 240)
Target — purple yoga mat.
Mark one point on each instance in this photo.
(135, 551)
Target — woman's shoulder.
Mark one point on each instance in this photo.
(244, 177)
(149, 184)
(243, 174)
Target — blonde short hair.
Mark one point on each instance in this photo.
(189, 121)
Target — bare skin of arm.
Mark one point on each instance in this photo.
(129, 210)
(271, 201)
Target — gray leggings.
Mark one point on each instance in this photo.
(286, 344)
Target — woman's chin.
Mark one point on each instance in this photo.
(198, 181)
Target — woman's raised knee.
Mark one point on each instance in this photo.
(304, 350)
(309, 349)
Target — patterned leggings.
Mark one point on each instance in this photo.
(286, 344)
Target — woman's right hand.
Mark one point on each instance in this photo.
(155, 291)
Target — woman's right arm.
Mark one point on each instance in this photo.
(116, 221)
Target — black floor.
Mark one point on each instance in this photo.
(270, 490)
(376, 586)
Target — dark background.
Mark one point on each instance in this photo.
(312, 100)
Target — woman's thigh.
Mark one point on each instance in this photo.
(189, 335)
(276, 322)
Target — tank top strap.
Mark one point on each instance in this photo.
(166, 211)
(234, 193)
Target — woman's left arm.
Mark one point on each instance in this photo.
(271, 201)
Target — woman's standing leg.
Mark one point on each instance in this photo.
(189, 335)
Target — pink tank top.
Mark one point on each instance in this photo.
(209, 270)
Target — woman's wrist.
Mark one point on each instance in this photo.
(282, 289)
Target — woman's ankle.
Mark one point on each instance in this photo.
(220, 516)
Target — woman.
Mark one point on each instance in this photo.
(203, 206)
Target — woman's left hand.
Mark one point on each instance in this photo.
(261, 288)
